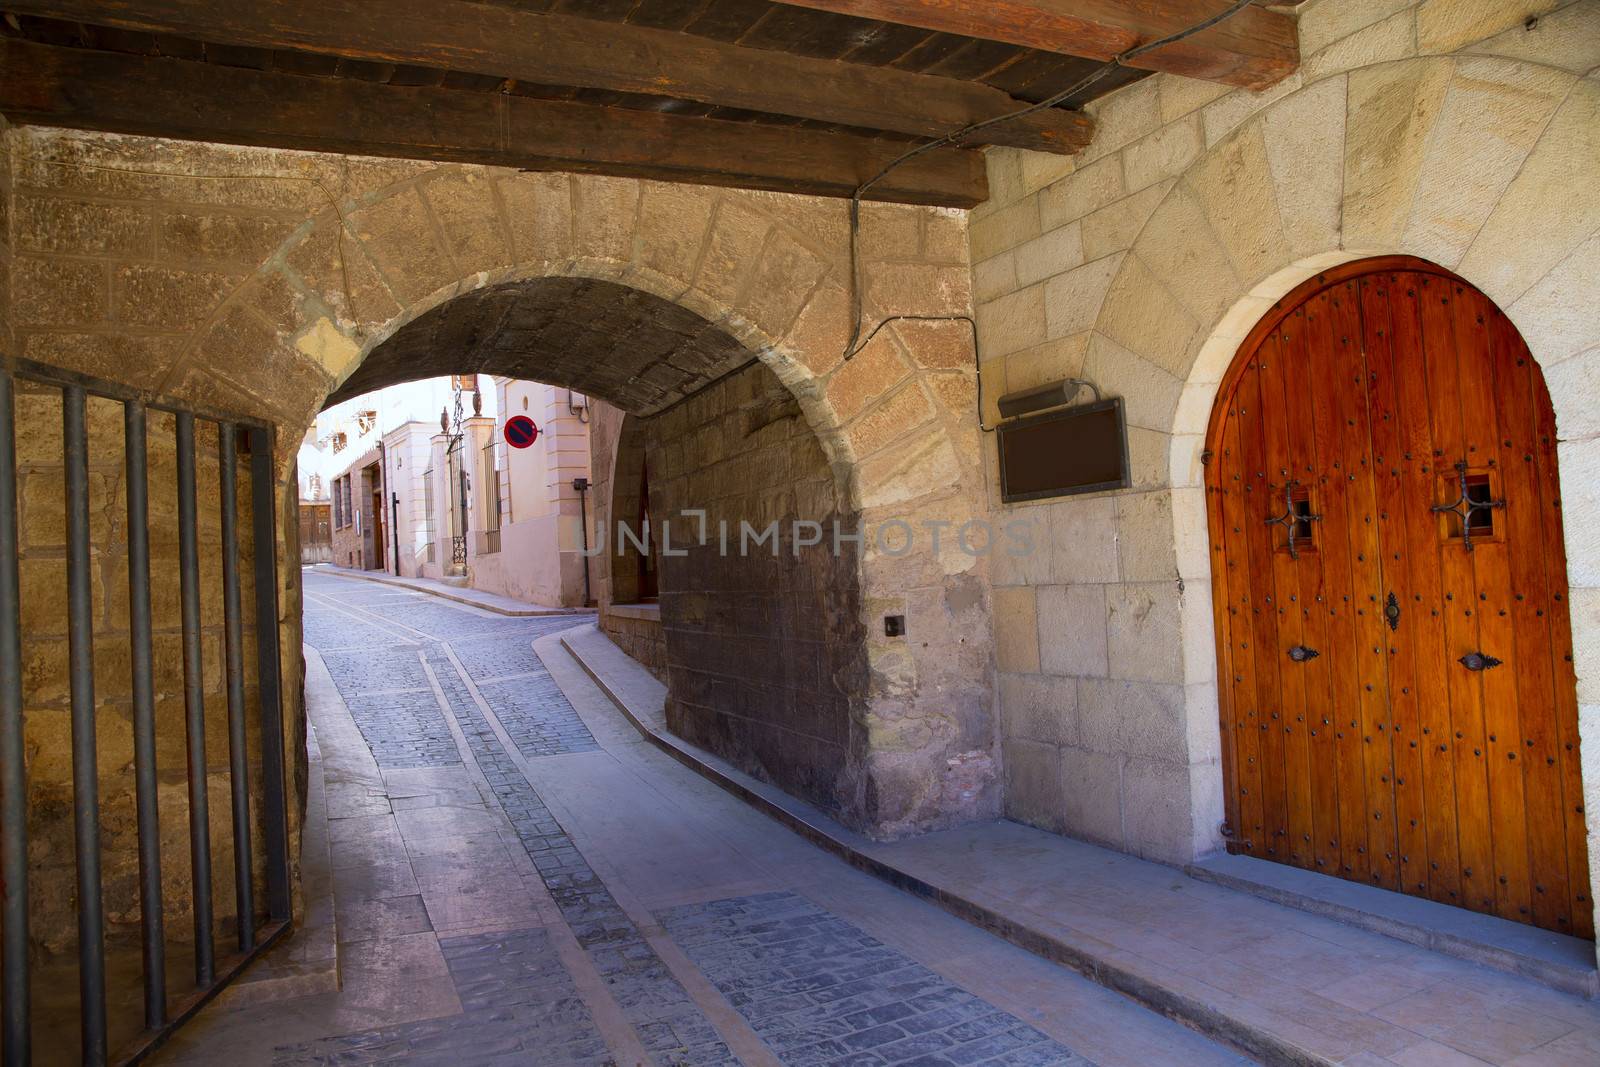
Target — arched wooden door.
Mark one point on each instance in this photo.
(1394, 649)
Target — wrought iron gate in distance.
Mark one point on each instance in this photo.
(163, 1009)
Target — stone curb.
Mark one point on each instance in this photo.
(404, 583)
(1094, 960)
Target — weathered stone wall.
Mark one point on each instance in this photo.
(256, 280)
(765, 660)
(1452, 130)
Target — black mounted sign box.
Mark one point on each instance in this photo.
(1081, 449)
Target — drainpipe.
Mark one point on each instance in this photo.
(582, 486)
(394, 524)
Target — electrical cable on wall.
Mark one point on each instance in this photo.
(856, 342)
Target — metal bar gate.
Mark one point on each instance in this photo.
(163, 1010)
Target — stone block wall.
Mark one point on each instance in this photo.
(1465, 133)
(258, 280)
(764, 658)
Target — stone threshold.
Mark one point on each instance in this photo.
(1554, 959)
(462, 594)
(965, 873)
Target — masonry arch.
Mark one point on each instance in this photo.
(1401, 164)
(761, 279)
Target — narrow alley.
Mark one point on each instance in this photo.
(519, 878)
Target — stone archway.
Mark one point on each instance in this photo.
(896, 424)
(1446, 159)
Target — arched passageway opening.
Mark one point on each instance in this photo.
(704, 467)
(1390, 584)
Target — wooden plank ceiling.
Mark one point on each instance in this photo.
(803, 96)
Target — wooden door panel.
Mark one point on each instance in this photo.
(1383, 758)
(1386, 420)
(1526, 615)
(1410, 532)
(1335, 429)
(1263, 616)
(1286, 460)
(1310, 727)
(1241, 734)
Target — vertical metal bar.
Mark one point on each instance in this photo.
(85, 772)
(238, 752)
(144, 716)
(194, 702)
(263, 487)
(14, 1007)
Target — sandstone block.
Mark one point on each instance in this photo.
(1087, 189)
(1149, 392)
(1140, 314)
(1187, 256)
(1390, 110)
(737, 237)
(141, 361)
(1005, 228)
(604, 217)
(1493, 112)
(1381, 42)
(398, 234)
(1145, 537)
(1082, 540)
(1145, 640)
(1158, 810)
(1166, 153)
(1568, 38)
(335, 266)
(1038, 708)
(464, 203)
(219, 238)
(673, 223)
(1073, 300)
(1557, 316)
(1115, 227)
(1052, 253)
(1304, 136)
(1446, 25)
(1137, 719)
(1032, 783)
(1016, 630)
(539, 207)
(1546, 188)
(1072, 630)
(49, 292)
(82, 228)
(821, 331)
(1014, 321)
(895, 417)
(1091, 792)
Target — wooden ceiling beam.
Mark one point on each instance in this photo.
(566, 50)
(1255, 48)
(81, 89)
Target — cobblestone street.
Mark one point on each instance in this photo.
(519, 879)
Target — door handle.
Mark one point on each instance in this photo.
(1478, 661)
(1391, 612)
(1300, 653)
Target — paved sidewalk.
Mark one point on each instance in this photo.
(460, 594)
(520, 879)
(1291, 986)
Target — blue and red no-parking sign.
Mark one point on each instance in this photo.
(520, 431)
